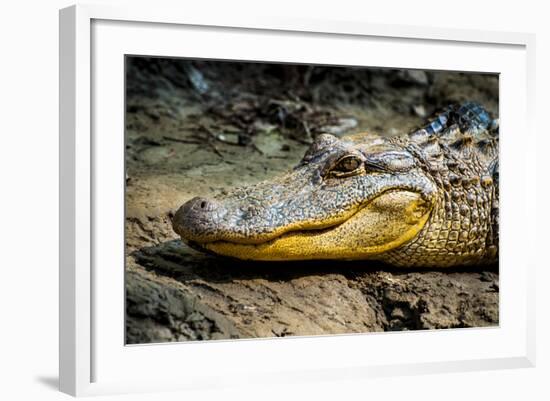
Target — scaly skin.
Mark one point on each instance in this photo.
(429, 198)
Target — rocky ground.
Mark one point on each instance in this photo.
(195, 128)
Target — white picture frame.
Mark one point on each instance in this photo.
(94, 360)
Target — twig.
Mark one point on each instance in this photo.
(216, 137)
(215, 149)
(201, 141)
(277, 157)
(306, 128)
(169, 138)
(257, 149)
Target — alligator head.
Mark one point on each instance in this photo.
(429, 198)
(351, 198)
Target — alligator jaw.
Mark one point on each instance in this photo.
(385, 223)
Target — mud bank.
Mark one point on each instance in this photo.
(195, 128)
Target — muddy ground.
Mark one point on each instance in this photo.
(194, 128)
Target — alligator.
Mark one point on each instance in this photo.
(427, 198)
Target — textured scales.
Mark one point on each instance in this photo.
(462, 159)
(428, 198)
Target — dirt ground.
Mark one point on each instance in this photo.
(194, 128)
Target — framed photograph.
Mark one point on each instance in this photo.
(273, 200)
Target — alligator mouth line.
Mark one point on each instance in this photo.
(304, 232)
(385, 222)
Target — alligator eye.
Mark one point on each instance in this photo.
(348, 165)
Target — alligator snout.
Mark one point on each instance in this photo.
(198, 219)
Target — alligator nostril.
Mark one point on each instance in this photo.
(202, 205)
